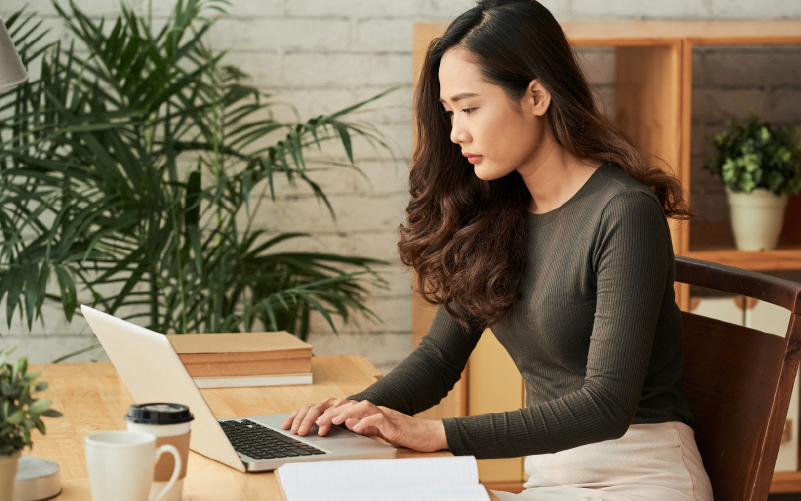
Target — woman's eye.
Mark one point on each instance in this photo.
(449, 114)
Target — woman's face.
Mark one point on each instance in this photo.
(486, 123)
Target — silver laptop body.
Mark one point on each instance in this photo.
(153, 372)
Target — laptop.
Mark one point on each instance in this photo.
(152, 372)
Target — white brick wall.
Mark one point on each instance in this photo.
(322, 55)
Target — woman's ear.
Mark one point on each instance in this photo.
(537, 98)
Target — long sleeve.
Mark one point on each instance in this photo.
(631, 258)
(426, 376)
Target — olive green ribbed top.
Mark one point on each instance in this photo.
(596, 333)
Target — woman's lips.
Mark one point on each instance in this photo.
(474, 159)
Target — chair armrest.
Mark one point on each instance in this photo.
(778, 291)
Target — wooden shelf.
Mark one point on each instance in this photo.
(785, 482)
(622, 33)
(717, 32)
(715, 242)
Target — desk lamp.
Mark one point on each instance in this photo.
(12, 72)
(36, 478)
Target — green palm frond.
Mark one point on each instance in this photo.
(126, 173)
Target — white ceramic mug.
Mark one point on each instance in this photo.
(120, 465)
(180, 432)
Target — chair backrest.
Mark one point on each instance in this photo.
(738, 380)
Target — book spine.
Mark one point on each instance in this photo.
(290, 366)
(244, 356)
(237, 382)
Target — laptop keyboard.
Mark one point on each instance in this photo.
(259, 442)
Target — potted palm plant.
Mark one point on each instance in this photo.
(20, 413)
(134, 172)
(760, 165)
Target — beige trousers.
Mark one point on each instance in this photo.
(651, 462)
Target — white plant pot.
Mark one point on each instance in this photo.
(756, 218)
(8, 470)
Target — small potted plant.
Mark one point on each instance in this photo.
(20, 413)
(759, 165)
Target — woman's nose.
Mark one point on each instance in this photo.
(458, 133)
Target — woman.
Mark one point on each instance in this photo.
(532, 215)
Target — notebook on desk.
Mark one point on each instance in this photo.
(152, 372)
(416, 479)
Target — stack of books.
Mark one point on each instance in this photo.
(247, 359)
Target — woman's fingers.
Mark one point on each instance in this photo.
(372, 425)
(308, 421)
(379, 425)
(327, 413)
(300, 415)
(365, 418)
(358, 410)
(325, 421)
(351, 423)
(368, 419)
(288, 422)
(303, 418)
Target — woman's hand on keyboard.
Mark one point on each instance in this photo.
(365, 418)
(301, 421)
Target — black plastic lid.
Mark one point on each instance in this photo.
(158, 413)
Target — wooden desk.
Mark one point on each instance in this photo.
(92, 398)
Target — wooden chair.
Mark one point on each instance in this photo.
(739, 380)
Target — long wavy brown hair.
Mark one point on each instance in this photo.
(466, 238)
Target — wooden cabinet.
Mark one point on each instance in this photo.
(652, 103)
(495, 386)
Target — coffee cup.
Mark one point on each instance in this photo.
(120, 465)
(170, 424)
